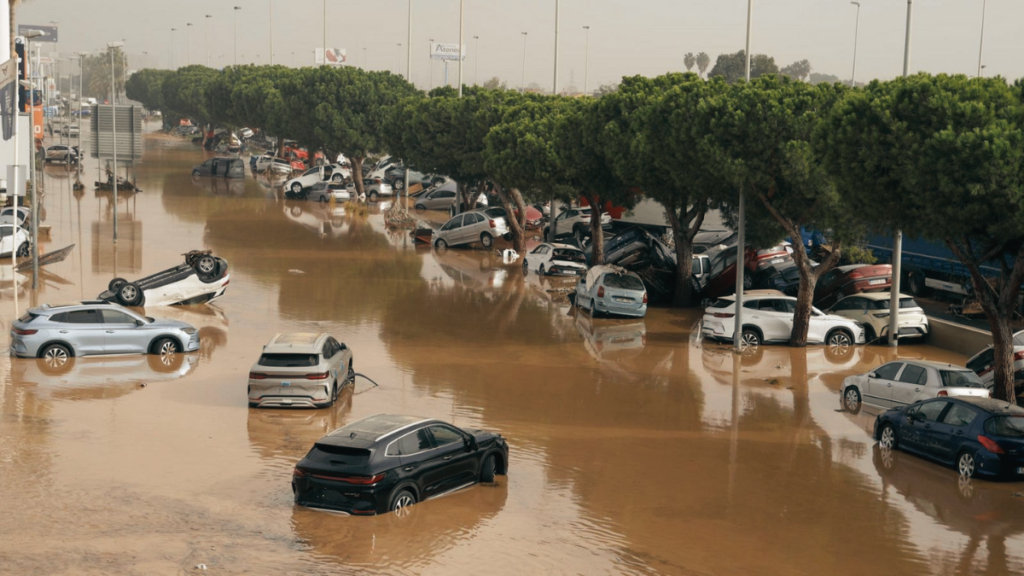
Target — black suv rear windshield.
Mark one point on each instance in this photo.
(288, 360)
(623, 281)
(1012, 426)
(338, 455)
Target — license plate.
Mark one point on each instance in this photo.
(877, 282)
(777, 261)
(286, 383)
(620, 299)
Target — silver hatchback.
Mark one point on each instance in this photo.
(300, 370)
(96, 327)
(474, 226)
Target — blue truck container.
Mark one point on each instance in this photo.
(928, 265)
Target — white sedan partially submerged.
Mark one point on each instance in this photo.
(202, 278)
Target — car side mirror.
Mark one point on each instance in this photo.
(140, 323)
(872, 375)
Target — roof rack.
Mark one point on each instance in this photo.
(94, 302)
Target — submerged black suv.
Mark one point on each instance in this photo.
(387, 462)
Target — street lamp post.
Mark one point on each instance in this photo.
(897, 240)
(398, 64)
(29, 35)
(364, 58)
(431, 61)
(981, 46)
(113, 129)
(188, 42)
(476, 61)
(270, 25)
(208, 16)
(741, 232)
(586, 59)
(462, 21)
(554, 83)
(856, 33)
(173, 30)
(408, 78)
(325, 29)
(235, 33)
(522, 85)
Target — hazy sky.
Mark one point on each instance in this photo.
(626, 37)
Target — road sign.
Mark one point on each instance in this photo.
(49, 32)
(446, 51)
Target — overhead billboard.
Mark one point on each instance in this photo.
(440, 51)
(331, 56)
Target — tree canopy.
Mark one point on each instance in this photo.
(733, 67)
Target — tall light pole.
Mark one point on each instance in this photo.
(462, 21)
(173, 30)
(476, 61)
(430, 60)
(208, 16)
(408, 78)
(398, 64)
(29, 35)
(235, 33)
(522, 85)
(586, 59)
(981, 47)
(741, 232)
(270, 25)
(325, 29)
(897, 240)
(554, 87)
(856, 33)
(188, 42)
(113, 129)
(364, 58)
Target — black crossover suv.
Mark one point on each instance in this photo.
(386, 462)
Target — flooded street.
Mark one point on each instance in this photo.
(635, 448)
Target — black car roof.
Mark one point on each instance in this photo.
(992, 405)
(366, 432)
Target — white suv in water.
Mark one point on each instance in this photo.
(769, 318)
(300, 370)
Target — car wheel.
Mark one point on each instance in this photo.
(401, 501)
(337, 178)
(116, 283)
(165, 346)
(839, 341)
(23, 250)
(129, 294)
(297, 189)
(526, 268)
(916, 285)
(851, 400)
(441, 244)
(421, 208)
(750, 338)
(195, 173)
(398, 184)
(888, 438)
(322, 200)
(869, 333)
(373, 196)
(748, 281)
(578, 234)
(487, 240)
(706, 302)
(206, 265)
(966, 465)
(488, 469)
(55, 355)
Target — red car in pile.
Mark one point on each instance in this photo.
(844, 281)
(722, 279)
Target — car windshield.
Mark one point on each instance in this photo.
(624, 281)
(569, 254)
(960, 379)
(695, 268)
(1012, 426)
(1018, 338)
(6, 231)
(722, 303)
(884, 304)
(288, 360)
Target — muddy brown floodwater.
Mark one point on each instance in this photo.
(636, 449)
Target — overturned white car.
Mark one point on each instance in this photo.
(202, 278)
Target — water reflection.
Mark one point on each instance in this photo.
(323, 220)
(122, 258)
(612, 340)
(220, 186)
(286, 434)
(96, 378)
(209, 319)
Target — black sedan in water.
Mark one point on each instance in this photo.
(386, 462)
(979, 436)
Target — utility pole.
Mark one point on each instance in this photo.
(113, 128)
(462, 20)
(476, 61)
(522, 85)
(208, 16)
(856, 33)
(325, 29)
(188, 42)
(554, 83)
(897, 240)
(237, 8)
(741, 236)
(173, 30)
(586, 60)
(981, 47)
(270, 24)
(430, 59)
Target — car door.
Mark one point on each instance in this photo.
(983, 365)
(921, 432)
(415, 451)
(84, 331)
(450, 230)
(821, 289)
(908, 387)
(879, 387)
(770, 319)
(560, 222)
(952, 430)
(536, 257)
(334, 356)
(455, 461)
(470, 231)
(122, 333)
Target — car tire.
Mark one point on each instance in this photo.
(706, 302)
(116, 283)
(373, 196)
(56, 353)
(852, 400)
(421, 208)
(839, 340)
(888, 438)
(195, 174)
(297, 189)
(337, 178)
(488, 468)
(401, 500)
(748, 281)
(129, 294)
(750, 338)
(23, 250)
(486, 239)
(915, 283)
(398, 184)
(165, 346)
(323, 200)
(441, 244)
(869, 333)
(206, 266)
(966, 464)
(526, 267)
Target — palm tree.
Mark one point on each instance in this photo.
(689, 60)
(703, 61)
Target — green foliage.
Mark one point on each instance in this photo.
(185, 92)
(798, 70)
(521, 151)
(703, 61)
(733, 67)
(96, 74)
(146, 86)
(689, 60)
(495, 83)
(817, 78)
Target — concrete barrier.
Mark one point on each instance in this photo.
(959, 338)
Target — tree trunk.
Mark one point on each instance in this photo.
(513, 202)
(804, 303)
(357, 174)
(467, 198)
(682, 236)
(596, 233)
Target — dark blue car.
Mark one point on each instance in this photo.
(979, 436)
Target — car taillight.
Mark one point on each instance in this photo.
(492, 223)
(991, 445)
(376, 180)
(362, 479)
(298, 473)
(257, 376)
(856, 275)
(320, 376)
(645, 297)
(722, 315)
(942, 393)
(600, 292)
(1018, 356)
(21, 332)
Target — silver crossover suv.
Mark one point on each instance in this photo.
(96, 327)
(300, 370)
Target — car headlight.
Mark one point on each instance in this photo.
(189, 331)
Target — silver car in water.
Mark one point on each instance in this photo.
(474, 226)
(96, 327)
(300, 370)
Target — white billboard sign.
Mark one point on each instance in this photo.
(446, 51)
(332, 56)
